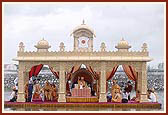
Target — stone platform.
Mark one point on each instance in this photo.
(82, 99)
(82, 104)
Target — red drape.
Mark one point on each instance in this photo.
(110, 75)
(35, 70)
(72, 69)
(93, 72)
(76, 68)
(67, 87)
(131, 73)
(31, 72)
(38, 69)
(68, 76)
(55, 73)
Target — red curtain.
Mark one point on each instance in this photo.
(76, 68)
(72, 69)
(67, 87)
(35, 70)
(55, 73)
(68, 76)
(32, 71)
(38, 69)
(95, 76)
(131, 73)
(110, 75)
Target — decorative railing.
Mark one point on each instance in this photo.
(90, 54)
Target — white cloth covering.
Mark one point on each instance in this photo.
(152, 97)
(125, 95)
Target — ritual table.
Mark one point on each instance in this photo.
(86, 92)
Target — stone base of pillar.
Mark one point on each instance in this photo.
(102, 97)
(61, 97)
(143, 98)
(21, 97)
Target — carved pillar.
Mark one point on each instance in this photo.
(75, 43)
(102, 97)
(21, 79)
(61, 97)
(139, 70)
(91, 43)
(142, 82)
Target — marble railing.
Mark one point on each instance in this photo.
(90, 54)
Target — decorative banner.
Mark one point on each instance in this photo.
(83, 42)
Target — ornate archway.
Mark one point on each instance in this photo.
(88, 77)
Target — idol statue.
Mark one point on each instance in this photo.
(115, 87)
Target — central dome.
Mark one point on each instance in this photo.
(83, 26)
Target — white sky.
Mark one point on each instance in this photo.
(137, 23)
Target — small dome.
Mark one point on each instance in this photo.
(144, 44)
(21, 44)
(61, 44)
(84, 26)
(43, 44)
(103, 44)
(123, 44)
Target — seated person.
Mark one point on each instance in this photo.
(47, 88)
(50, 97)
(13, 95)
(109, 97)
(124, 97)
(153, 91)
(151, 96)
(128, 89)
(54, 92)
(42, 94)
(36, 94)
(117, 96)
(137, 98)
(83, 83)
